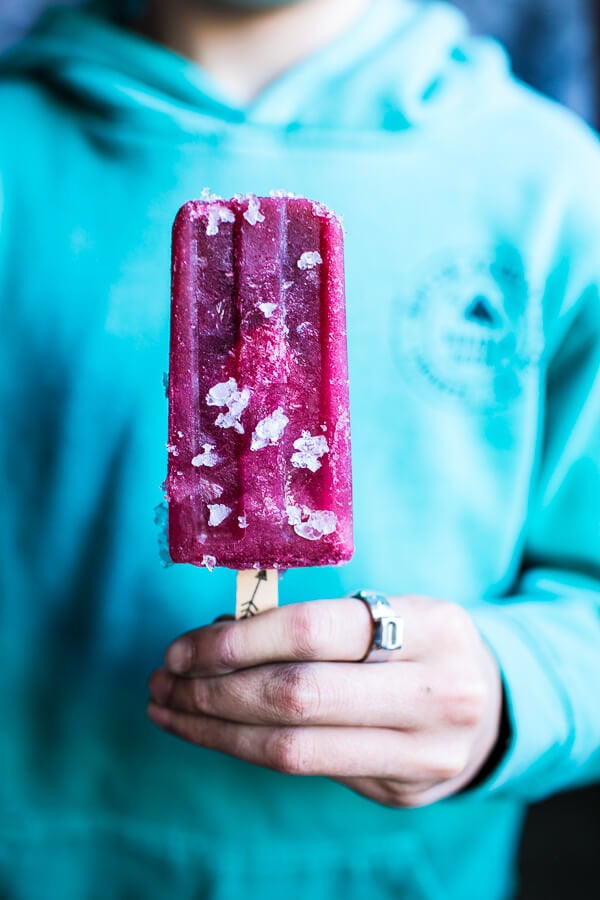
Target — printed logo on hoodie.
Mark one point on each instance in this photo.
(469, 328)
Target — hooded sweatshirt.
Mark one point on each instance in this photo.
(472, 226)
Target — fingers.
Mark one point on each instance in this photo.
(327, 751)
(284, 691)
(393, 696)
(333, 630)
(328, 629)
(397, 793)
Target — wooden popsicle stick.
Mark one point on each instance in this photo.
(256, 591)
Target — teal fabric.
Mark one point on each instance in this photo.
(470, 206)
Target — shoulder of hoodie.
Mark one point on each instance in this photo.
(555, 157)
(34, 124)
(560, 153)
(494, 109)
(515, 134)
(39, 131)
(543, 130)
(28, 107)
(31, 101)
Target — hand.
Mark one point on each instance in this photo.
(284, 690)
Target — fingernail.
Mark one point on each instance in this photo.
(160, 715)
(179, 656)
(161, 687)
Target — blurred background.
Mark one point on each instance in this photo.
(554, 46)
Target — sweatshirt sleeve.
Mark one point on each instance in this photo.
(546, 636)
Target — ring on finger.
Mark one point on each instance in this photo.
(387, 627)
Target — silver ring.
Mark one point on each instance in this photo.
(388, 628)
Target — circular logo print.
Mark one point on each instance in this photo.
(469, 329)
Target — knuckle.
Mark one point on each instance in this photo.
(465, 703)
(293, 693)
(289, 752)
(397, 795)
(311, 631)
(198, 695)
(447, 767)
(450, 621)
(412, 801)
(471, 705)
(226, 648)
(394, 795)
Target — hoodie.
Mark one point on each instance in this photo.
(471, 216)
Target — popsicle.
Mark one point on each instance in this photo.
(259, 473)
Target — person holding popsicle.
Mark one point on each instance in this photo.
(309, 766)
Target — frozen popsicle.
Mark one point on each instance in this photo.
(259, 474)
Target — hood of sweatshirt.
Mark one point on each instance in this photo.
(399, 64)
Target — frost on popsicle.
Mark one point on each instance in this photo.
(309, 450)
(309, 260)
(269, 430)
(311, 524)
(210, 490)
(320, 210)
(267, 309)
(218, 512)
(216, 215)
(253, 214)
(228, 394)
(209, 561)
(207, 457)
(306, 330)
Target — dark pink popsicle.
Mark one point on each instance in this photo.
(259, 428)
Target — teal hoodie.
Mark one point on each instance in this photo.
(472, 218)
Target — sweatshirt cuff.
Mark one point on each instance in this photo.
(538, 724)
